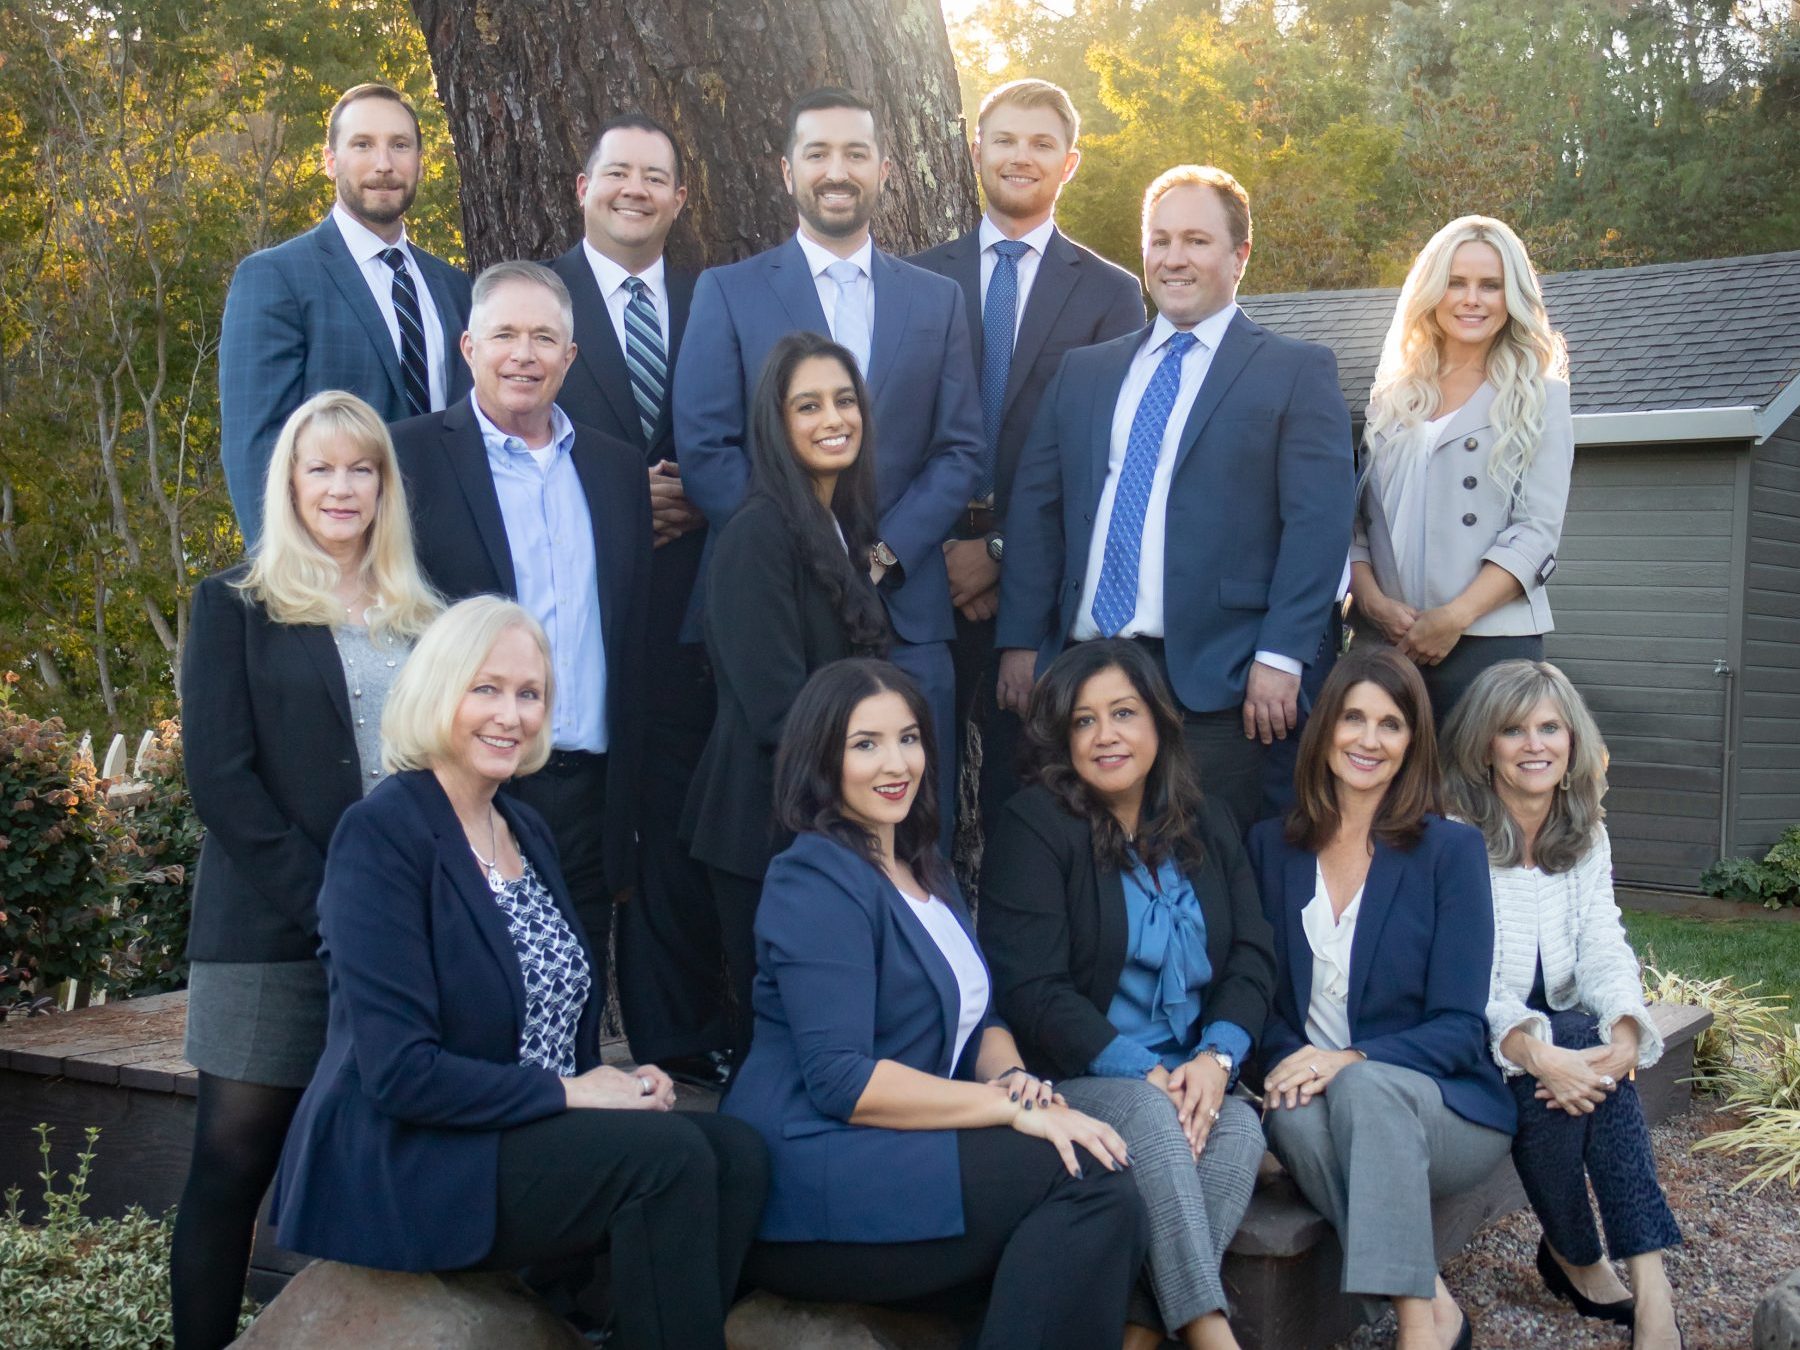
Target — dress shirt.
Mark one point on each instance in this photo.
(611, 279)
(958, 950)
(366, 248)
(1328, 1013)
(551, 536)
(1147, 619)
(818, 258)
(1035, 241)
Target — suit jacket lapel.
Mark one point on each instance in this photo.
(1377, 900)
(784, 268)
(932, 961)
(597, 344)
(893, 298)
(1239, 344)
(467, 457)
(962, 261)
(1301, 877)
(1057, 273)
(680, 286)
(1105, 392)
(337, 264)
(446, 308)
(316, 641)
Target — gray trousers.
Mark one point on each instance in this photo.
(1194, 1207)
(1370, 1153)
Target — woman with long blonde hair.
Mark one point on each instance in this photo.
(1470, 446)
(289, 658)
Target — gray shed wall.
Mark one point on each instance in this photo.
(1767, 780)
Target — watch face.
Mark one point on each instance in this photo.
(996, 547)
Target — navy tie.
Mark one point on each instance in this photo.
(412, 334)
(644, 356)
(999, 322)
(1115, 597)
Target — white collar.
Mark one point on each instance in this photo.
(610, 275)
(363, 242)
(561, 428)
(1210, 330)
(818, 257)
(1037, 240)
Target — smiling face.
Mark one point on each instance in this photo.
(1191, 267)
(1473, 308)
(1023, 158)
(518, 350)
(1112, 739)
(629, 196)
(824, 420)
(375, 162)
(1530, 756)
(835, 171)
(1369, 742)
(336, 485)
(884, 763)
(501, 713)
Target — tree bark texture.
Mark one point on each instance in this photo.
(526, 83)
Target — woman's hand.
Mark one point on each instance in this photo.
(1620, 1056)
(1066, 1127)
(1394, 618)
(1568, 1079)
(1198, 1088)
(608, 1089)
(1027, 1089)
(1432, 634)
(1303, 1075)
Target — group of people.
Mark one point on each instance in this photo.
(599, 585)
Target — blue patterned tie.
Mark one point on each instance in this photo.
(412, 334)
(850, 316)
(644, 358)
(1115, 598)
(999, 324)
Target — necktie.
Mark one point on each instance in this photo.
(1115, 597)
(850, 316)
(644, 356)
(999, 322)
(412, 334)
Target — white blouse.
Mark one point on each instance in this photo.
(965, 963)
(1328, 1013)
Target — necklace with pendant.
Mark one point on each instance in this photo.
(496, 882)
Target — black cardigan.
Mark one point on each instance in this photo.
(1053, 928)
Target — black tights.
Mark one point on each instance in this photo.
(238, 1133)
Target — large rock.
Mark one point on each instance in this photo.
(328, 1306)
(1777, 1322)
(765, 1322)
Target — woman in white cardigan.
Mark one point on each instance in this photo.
(1525, 763)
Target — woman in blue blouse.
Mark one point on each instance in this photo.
(912, 1159)
(1134, 962)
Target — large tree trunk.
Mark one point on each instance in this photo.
(526, 85)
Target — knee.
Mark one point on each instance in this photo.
(1115, 1196)
(1143, 1107)
(742, 1157)
(1362, 1086)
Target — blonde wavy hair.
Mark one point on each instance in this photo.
(1524, 353)
(292, 577)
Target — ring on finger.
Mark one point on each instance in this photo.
(645, 1086)
(1212, 1113)
(1314, 1070)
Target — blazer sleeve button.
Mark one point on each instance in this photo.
(1469, 482)
(1469, 518)
(1471, 444)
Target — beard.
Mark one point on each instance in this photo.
(364, 206)
(806, 200)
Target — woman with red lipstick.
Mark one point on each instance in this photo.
(1567, 1024)
(460, 1117)
(913, 1160)
(786, 593)
(1379, 1093)
(1470, 442)
(288, 660)
(1134, 962)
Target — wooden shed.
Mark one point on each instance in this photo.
(1677, 595)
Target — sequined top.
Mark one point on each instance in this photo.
(370, 667)
(555, 967)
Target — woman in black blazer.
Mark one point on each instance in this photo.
(287, 662)
(786, 593)
(460, 1116)
(1134, 963)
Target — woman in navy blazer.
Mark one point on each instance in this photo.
(879, 1076)
(1381, 1093)
(461, 1116)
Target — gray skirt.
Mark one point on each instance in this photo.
(256, 1021)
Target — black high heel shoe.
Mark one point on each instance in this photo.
(1623, 1312)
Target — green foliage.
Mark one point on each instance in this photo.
(160, 846)
(1763, 1086)
(1742, 1019)
(1772, 881)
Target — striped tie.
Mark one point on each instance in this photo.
(644, 356)
(412, 334)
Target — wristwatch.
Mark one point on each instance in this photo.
(996, 546)
(880, 553)
(1222, 1058)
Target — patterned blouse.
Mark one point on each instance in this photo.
(555, 967)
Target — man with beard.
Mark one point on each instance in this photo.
(907, 329)
(350, 304)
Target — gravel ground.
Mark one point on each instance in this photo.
(1736, 1246)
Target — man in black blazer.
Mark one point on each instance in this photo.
(1032, 293)
(630, 312)
(510, 497)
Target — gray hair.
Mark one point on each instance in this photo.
(1501, 696)
(534, 274)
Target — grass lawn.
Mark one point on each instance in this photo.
(1745, 949)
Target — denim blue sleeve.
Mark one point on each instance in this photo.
(1229, 1037)
(1123, 1058)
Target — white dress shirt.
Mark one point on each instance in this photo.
(612, 278)
(365, 248)
(1035, 241)
(818, 258)
(1328, 1012)
(965, 963)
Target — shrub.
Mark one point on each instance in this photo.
(1764, 1087)
(158, 847)
(1742, 1019)
(1771, 881)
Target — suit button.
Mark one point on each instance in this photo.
(1469, 482)
(1471, 444)
(1469, 518)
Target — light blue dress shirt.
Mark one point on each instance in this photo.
(551, 536)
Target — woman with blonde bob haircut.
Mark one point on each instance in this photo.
(289, 659)
(460, 1117)
(1460, 511)
(1566, 1018)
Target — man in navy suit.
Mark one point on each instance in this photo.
(631, 310)
(908, 330)
(1031, 293)
(350, 304)
(1189, 486)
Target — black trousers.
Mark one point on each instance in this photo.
(1060, 1252)
(676, 1196)
(570, 794)
(737, 897)
(977, 681)
(1450, 678)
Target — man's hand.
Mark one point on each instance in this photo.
(1016, 667)
(1271, 703)
(671, 513)
(972, 572)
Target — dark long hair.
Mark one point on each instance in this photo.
(777, 475)
(809, 767)
(1415, 790)
(1170, 815)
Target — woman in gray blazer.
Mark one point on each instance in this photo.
(1460, 508)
